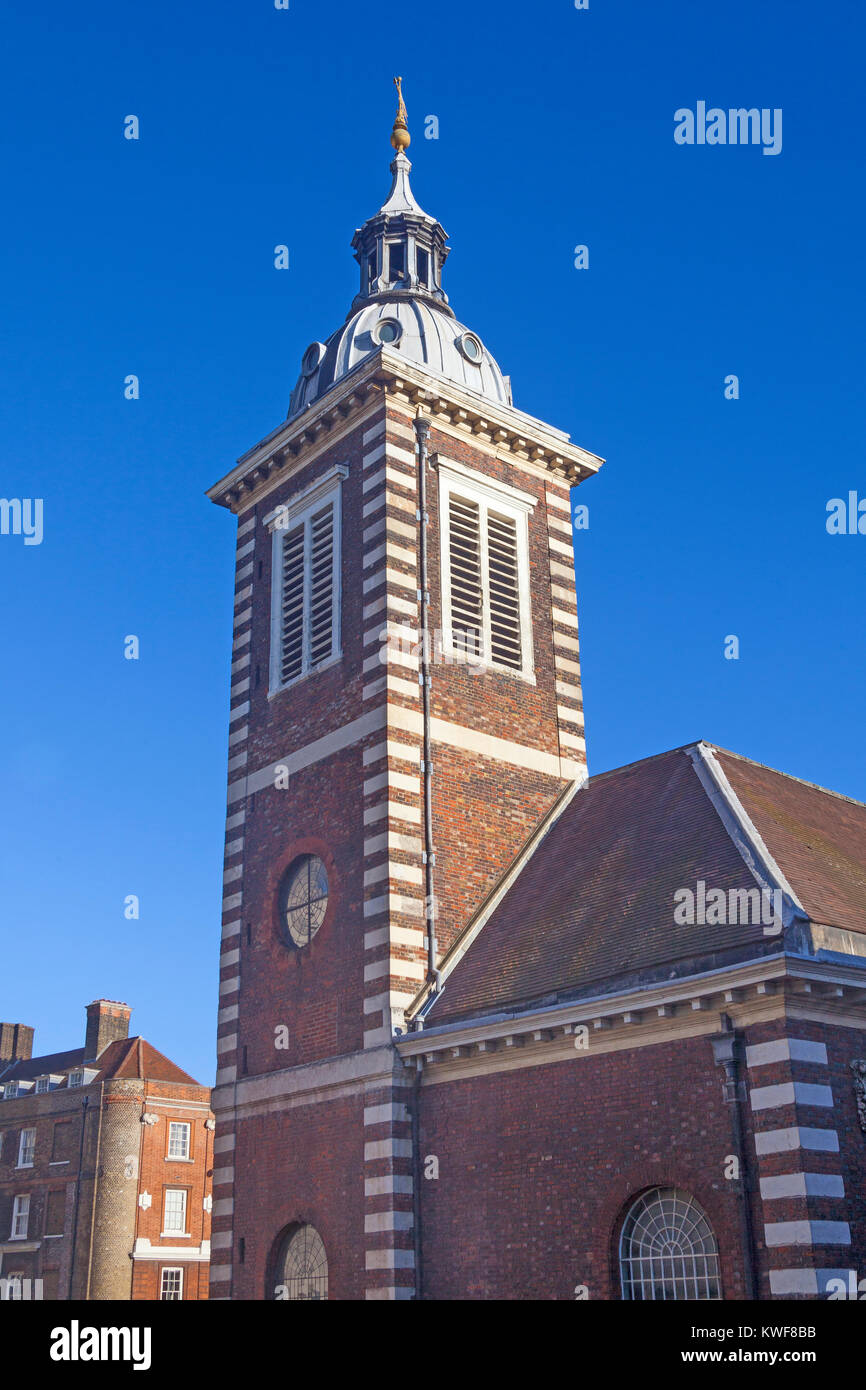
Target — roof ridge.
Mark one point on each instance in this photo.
(744, 833)
(803, 781)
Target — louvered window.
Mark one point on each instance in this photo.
(305, 631)
(485, 578)
(504, 597)
(467, 592)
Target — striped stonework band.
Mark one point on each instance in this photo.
(800, 1186)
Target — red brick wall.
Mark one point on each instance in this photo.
(538, 1166)
(484, 810)
(302, 1165)
(158, 1172)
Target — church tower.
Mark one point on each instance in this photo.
(405, 711)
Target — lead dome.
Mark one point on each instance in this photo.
(401, 306)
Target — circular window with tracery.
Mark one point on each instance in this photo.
(304, 898)
(301, 1267)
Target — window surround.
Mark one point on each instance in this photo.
(26, 1147)
(177, 1235)
(184, 1157)
(170, 1269)
(476, 487)
(20, 1207)
(289, 514)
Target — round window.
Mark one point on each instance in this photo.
(312, 357)
(387, 331)
(470, 347)
(304, 898)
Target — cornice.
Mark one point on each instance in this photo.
(387, 376)
(286, 449)
(751, 991)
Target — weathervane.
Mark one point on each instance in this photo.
(400, 137)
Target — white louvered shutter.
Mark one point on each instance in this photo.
(292, 614)
(467, 596)
(321, 585)
(308, 615)
(503, 590)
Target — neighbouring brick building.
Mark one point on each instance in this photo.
(106, 1153)
(489, 1029)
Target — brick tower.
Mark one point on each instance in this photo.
(405, 711)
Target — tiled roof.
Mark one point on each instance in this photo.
(593, 907)
(128, 1057)
(816, 836)
(41, 1066)
(134, 1057)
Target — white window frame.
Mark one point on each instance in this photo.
(10, 1090)
(76, 1078)
(280, 522)
(488, 495)
(43, 1084)
(184, 1157)
(171, 1269)
(182, 1231)
(20, 1208)
(26, 1147)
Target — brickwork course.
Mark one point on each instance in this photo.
(489, 1060)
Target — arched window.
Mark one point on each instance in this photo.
(301, 1266)
(667, 1248)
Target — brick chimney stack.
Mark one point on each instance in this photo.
(107, 1021)
(16, 1042)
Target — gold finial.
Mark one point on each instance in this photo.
(400, 137)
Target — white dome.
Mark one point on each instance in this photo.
(412, 326)
(400, 305)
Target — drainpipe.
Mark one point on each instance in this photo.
(727, 1053)
(416, 1180)
(422, 432)
(84, 1105)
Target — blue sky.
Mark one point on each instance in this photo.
(155, 257)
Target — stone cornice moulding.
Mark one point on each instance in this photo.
(186, 1254)
(358, 1070)
(167, 1103)
(386, 375)
(840, 989)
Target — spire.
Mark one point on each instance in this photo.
(401, 198)
(401, 248)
